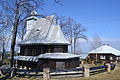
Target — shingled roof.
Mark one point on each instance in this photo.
(45, 31)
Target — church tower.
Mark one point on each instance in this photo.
(31, 21)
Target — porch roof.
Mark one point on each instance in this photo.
(26, 58)
(46, 56)
(57, 56)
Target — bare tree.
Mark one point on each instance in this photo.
(95, 44)
(72, 30)
(78, 34)
(18, 11)
(67, 28)
(3, 31)
(3, 45)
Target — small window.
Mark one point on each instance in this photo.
(111, 58)
(58, 49)
(49, 50)
(41, 51)
(117, 58)
(26, 52)
(102, 57)
(35, 52)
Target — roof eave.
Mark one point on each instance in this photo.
(44, 44)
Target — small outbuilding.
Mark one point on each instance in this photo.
(104, 53)
(45, 45)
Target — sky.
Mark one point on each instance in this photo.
(99, 17)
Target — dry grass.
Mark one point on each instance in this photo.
(114, 75)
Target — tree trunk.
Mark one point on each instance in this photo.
(71, 45)
(74, 45)
(71, 42)
(14, 33)
(3, 52)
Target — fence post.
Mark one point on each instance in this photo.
(1, 73)
(108, 69)
(92, 62)
(116, 63)
(86, 72)
(82, 62)
(46, 73)
(12, 72)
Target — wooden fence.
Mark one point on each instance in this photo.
(46, 74)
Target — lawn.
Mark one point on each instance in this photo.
(114, 75)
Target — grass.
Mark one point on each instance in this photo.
(113, 75)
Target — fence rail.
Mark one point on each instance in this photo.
(99, 67)
(47, 73)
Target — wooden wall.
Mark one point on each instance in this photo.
(35, 50)
(27, 64)
(59, 63)
(107, 57)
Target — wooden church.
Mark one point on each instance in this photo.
(45, 45)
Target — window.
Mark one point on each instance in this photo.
(117, 58)
(58, 49)
(49, 50)
(111, 58)
(26, 52)
(41, 51)
(102, 57)
(35, 52)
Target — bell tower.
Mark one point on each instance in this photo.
(30, 21)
